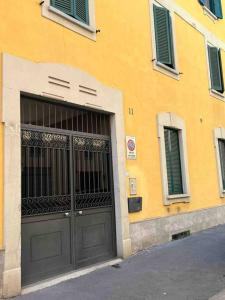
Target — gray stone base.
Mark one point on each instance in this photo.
(158, 231)
(1, 270)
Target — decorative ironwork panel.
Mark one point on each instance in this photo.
(91, 144)
(44, 139)
(45, 205)
(94, 200)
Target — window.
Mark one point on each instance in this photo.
(214, 6)
(163, 36)
(174, 166)
(219, 135)
(173, 162)
(222, 160)
(216, 72)
(76, 15)
(77, 9)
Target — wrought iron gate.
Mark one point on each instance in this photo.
(67, 189)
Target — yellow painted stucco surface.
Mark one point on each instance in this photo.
(122, 58)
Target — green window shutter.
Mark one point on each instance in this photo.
(66, 6)
(215, 69)
(163, 36)
(202, 2)
(222, 160)
(173, 162)
(81, 10)
(217, 8)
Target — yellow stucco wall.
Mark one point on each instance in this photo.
(121, 58)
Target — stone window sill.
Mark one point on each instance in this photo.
(181, 198)
(208, 13)
(71, 19)
(178, 196)
(158, 66)
(217, 94)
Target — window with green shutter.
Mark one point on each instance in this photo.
(215, 6)
(77, 9)
(173, 161)
(163, 36)
(216, 71)
(222, 160)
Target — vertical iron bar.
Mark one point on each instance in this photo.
(84, 175)
(102, 170)
(41, 166)
(89, 172)
(97, 156)
(61, 110)
(28, 172)
(72, 201)
(92, 122)
(96, 123)
(93, 153)
(72, 120)
(47, 173)
(59, 172)
(34, 170)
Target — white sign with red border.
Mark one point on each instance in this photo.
(131, 147)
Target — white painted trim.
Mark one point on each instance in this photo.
(168, 119)
(73, 24)
(72, 275)
(158, 66)
(20, 75)
(219, 133)
(197, 25)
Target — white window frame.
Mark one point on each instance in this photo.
(71, 23)
(158, 66)
(219, 134)
(168, 119)
(212, 92)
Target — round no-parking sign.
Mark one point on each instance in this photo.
(131, 147)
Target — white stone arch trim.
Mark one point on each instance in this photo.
(72, 86)
(219, 133)
(168, 119)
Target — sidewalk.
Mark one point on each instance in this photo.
(188, 269)
(220, 296)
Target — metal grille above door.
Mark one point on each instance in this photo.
(67, 189)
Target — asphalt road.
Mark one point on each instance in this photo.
(188, 269)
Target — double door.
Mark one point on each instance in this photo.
(67, 201)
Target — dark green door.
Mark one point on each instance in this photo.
(67, 190)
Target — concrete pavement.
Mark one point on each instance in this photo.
(188, 269)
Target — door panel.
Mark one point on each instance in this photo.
(46, 248)
(93, 237)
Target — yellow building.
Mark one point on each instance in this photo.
(112, 130)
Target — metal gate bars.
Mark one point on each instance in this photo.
(64, 172)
